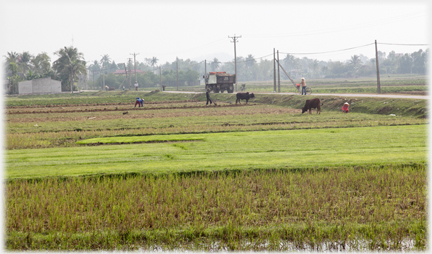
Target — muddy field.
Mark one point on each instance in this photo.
(112, 112)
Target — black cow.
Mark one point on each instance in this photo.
(314, 103)
(244, 96)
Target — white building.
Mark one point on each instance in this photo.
(39, 86)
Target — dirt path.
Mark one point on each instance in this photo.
(397, 96)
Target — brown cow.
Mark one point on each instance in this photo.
(310, 104)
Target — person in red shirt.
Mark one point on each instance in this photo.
(345, 107)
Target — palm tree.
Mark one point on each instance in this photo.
(12, 57)
(355, 62)
(24, 61)
(105, 61)
(153, 61)
(75, 67)
(70, 63)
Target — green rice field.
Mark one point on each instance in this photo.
(89, 172)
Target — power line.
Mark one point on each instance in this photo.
(190, 49)
(325, 52)
(398, 44)
(350, 27)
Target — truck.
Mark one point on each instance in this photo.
(219, 82)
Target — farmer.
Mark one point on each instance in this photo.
(208, 97)
(298, 87)
(106, 88)
(345, 107)
(136, 86)
(140, 102)
(303, 84)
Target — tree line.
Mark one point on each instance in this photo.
(75, 73)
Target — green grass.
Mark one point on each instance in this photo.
(143, 139)
(360, 208)
(222, 151)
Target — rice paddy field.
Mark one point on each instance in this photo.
(390, 84)
(91, 172)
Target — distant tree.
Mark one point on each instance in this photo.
(95, 65)
(12, 57)
(113, 66)
(315, 68)
(70, 64)
(12, 69)
(419, 62)
(355, 63)
(148, 61)
(214, 64)
(290, 62)
(250, 68)
(24, 61)
(337, 69)
(153, 61)
(250, 60)
(42, 64)
(405, 64)
(105, 60)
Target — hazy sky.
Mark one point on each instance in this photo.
(200, 29)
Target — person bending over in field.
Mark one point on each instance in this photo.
(345, 107)
(140, 102)
(208, 97)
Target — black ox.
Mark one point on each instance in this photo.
(314, 103)
(244, 96)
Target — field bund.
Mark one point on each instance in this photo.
(311, 148)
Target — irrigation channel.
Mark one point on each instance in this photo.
(281, 245)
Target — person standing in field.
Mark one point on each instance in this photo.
(136, 86)
(208, 97)
(345, 107)
(303, 84)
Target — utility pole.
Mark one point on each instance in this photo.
(134, 54)
(274, 70)
(278, 72)
(177, 71)
(235, 57)
(205, 67)
(377, 66)
(129, 71)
